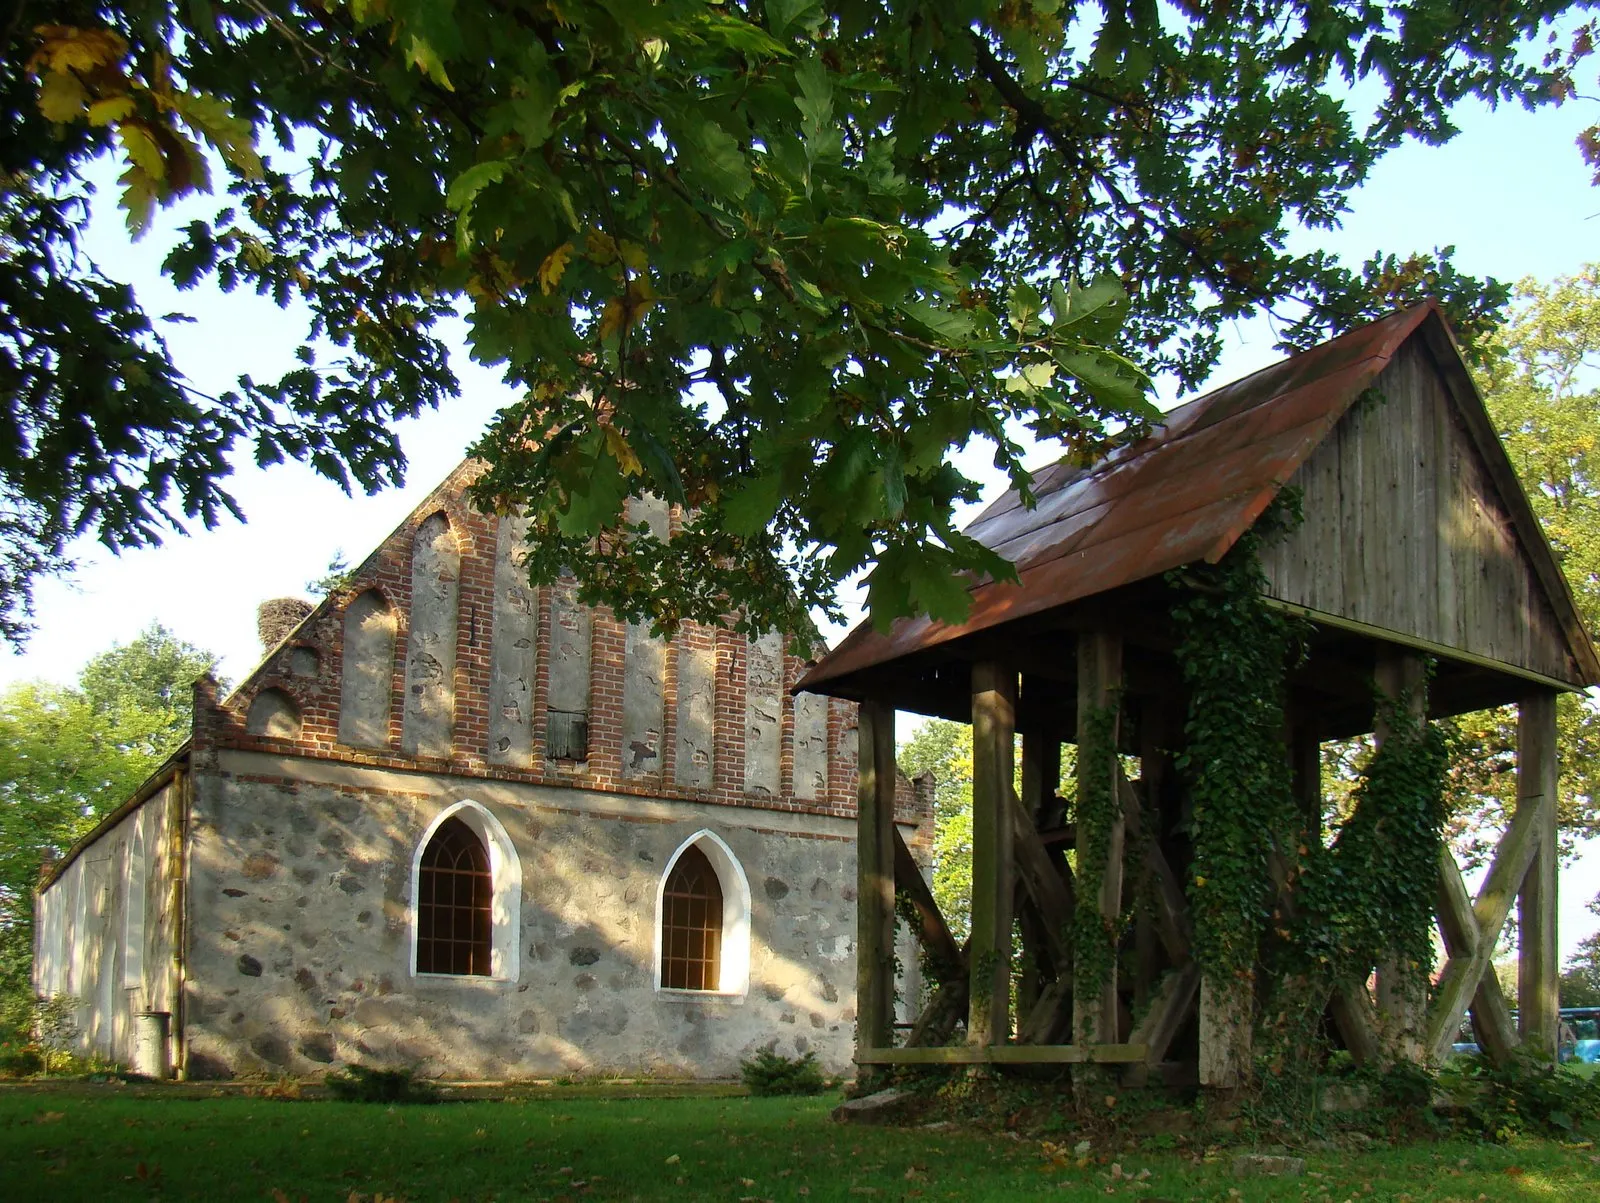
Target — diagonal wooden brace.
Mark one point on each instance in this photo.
(1477, 929)
(1051, 892)
(1171, 1006)
(1172, 913)
(932, 931)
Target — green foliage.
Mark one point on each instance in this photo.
(944, 749)
(1370, 894)
(771, 1073)
(774, 261)
(1538, 380)
(1095, 936)
(337, 576)
(1525, 1097)
(1234, 651)
(363, 1084)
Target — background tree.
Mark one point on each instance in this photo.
(68, 755)
(773, 258)
(1580, 981)
(944, 749)
(1540, 376)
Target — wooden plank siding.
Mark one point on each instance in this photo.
(1404, 530)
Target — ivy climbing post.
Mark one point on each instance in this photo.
(875, 878)
(1537, 964)
(1401, 682)
(1099, 824)
(994, 725)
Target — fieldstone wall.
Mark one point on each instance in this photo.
(301, 930)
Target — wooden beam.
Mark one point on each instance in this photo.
(1172, 908)
(939, 1017)
(1007, 1054)
(932, 931)
(1305, 776)
(1051, 1016)
(1491, 1021)
(1094, 1014)
(994, 703)
(1171, 1006)
(1357, 1021)
(1402, 984)
(875, 837)
(1050, 887)
(1041, 939)
(1538, 962)
(1226, 1006)
(1458, 982)
(1442, 651)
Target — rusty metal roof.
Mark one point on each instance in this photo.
(1183, 494)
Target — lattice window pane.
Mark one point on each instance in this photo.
(455, 926)
(691, 925)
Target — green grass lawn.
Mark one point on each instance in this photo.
(61, 1145)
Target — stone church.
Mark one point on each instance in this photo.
(457, 823)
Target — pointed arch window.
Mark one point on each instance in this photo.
(455, 903)
(691, 925)
(703, 920)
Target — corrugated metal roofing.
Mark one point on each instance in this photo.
(1183, 494)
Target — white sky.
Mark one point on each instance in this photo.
(1510, 193)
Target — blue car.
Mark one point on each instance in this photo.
(1580, 1034)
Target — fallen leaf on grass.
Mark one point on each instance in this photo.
(674, 1159)
(50, 1117)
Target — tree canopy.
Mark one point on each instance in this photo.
(770, 258)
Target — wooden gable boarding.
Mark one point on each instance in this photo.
(1409, 531)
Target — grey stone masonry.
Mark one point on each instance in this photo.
(810, 746)
(695, 755)
(644, 682)
(515, 647)
(430, 704)
(368, 672)
(571, 651)
(763, 740)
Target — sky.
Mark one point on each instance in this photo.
(1510, 193)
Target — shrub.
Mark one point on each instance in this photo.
(771, 1073)
(19, 1059)
(1525, 1096)
(363, 1084)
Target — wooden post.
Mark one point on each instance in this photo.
(1305, 776)
(994, 725)
(875, 878)
(1402, 988)
(1538, 969)
(1094, 1006)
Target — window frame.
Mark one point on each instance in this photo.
(505, 878)
(734, 969)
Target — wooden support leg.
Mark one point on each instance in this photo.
(875, 841)
(1226, 1007)
(1305, 777)
(1538, 968)
(994, 703)
(1094, 1019)
(1402, 986)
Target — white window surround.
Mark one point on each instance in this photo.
(734, 972)
(505, 876)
